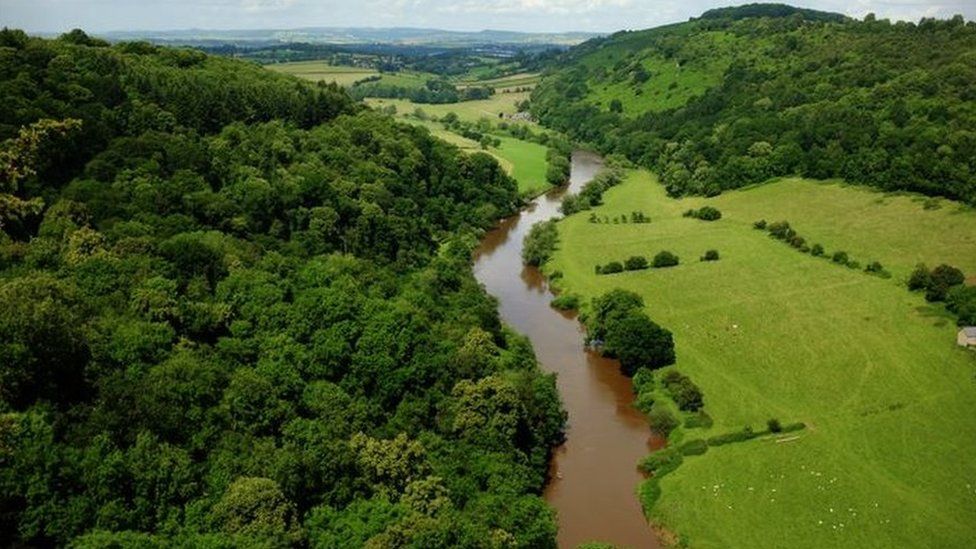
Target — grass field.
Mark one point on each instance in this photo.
(873, 370)
(321, 71)
(519, 80)
(471, 111)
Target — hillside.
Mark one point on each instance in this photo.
(740, 95)
(237, 310)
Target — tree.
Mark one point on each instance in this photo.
(635, 263)
(943, 278)
(256, 507)
(638, 342)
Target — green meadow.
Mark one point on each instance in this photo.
(320, 71)
(472, 111)
(766, 332)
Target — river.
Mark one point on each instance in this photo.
(593, 474)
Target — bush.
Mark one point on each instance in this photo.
(840, 258)
(943, 278)
(817, 250)
(710, 255)
(920, 278)
(797, 241)
(566, 302)
(683, 391)
(876, 268)
(737, 436)
(635, 263)
(694, 447)
(774, 425)
(664, 259)
(699, 419)
(611, 268)
(705, 213)
(662, 420)
(781, 230)
(961, 301)
(759, 225)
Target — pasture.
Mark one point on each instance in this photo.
(471, 111)
(769, 332)
(319, 71)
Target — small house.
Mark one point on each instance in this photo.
(967, 337)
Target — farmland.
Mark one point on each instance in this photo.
(319, 71)
(472, 111)
(768, 331)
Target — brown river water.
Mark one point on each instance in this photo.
(594, 474)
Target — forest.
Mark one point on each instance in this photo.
(237, 309)
(741, 95)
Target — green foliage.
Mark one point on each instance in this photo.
(693, 447)
(247, 316)
(705, 213)
(539, 243)
(744, 94)
(683, 391)
(961, 301)
(710, 255)
(566, 302)
(636, 263)
(664, 259)
(638, 342)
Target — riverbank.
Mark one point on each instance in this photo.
(768, 332)
(593, 474)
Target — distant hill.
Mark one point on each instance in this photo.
(354, 35)
(743, 94)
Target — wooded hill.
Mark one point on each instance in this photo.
(743, 94)
(237, 309)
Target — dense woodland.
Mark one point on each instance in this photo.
(237, 309)
(774, 90)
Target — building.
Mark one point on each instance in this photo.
(967, 337)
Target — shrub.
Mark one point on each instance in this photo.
(774, 425)
(781, 230)
(708, 213)
(566, 302)
(920, 278)
(759, 225)
(664, 259)
(705, 213)
(736, 436)
(639, 217)
(710, 255)
(683, 391)
(699, 419)
(876, 268)
(612, 267)
(635, 263)
(797, 241)
(840, 258)
(662, 420)
(817, 250)
(943, 278)
(961, 300)
(694, 447)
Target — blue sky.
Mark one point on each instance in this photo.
(523, 15)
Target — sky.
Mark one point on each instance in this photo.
(468, 15)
